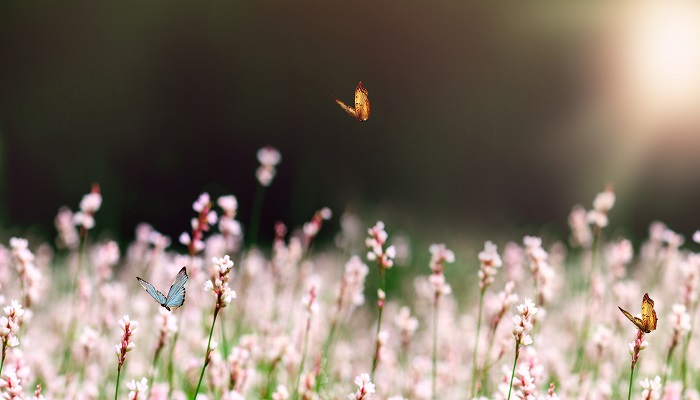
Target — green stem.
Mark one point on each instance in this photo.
(667, 366)
(4, 350)
(435, 346)
(116, 390)
(295, 395)
(486, 366)
(515, 362)
(255, 215)
(207, 355)
(379, 323)
(629, 392)
(476, 341)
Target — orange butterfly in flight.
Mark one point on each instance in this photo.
(361, 110)
(648, 321)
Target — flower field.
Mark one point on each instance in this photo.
(298, 321)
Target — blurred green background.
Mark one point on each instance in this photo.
(486, 118)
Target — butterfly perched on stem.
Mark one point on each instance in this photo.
(648, 321)
(361, 110)
(176, 294)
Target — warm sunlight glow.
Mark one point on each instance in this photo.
(661, 55)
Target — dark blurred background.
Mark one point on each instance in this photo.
(485, 118)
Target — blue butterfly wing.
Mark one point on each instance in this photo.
(176, 294)
(157, 296)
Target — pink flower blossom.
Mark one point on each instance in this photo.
(365, 388)
(376, 241)
(269, 158)
(126, 344)
(490, 261)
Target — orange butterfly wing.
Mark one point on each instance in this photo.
(361, 103)
(648, 321)
(648, 314)
(361, 110)
(636, 321)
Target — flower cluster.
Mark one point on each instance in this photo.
(490, 261)
(638, 345)
(219, 281)
(206, 218)
(89, 205)
(602, 204)
(506, 298)
(542, 272)
(29, 274)
(312, 227)
(376, 241)
(365, 388)
(581, 234)
(9, 325)
(523, 323)
(652, 388)
(268, 157)
(11, 385)
(680, 320)
(138, 390)
(67, 233)
(126, 344)
(229, 227)
(352, 286)
(439, 255)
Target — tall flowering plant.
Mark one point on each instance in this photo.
(218, 285)
(489, 261)
(439, 255)
(385, 259)
(124, 346)
(522, 325)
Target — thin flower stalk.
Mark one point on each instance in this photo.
(126, 344)
(439, 256)
(218, 285)
(634, 348)
(522, 326)
(311, 308)
(9, 328)
(385, 259)
(269, 158)
(490, 261)
(506, 298)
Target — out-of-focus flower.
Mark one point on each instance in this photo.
(542, 272)
(281, 393)
(365, 388)
(581, 234)
(10, 323)
(602, 204)
(490, 261)
(652, 388)
(439, 255)
(312, 227)
(67, 233)
(406, 324)
(269, 158)
(89, 205)
(29, 275)
(206, 218)
(138, 390)
(11, 385)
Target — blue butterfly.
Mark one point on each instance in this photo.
(176, 294)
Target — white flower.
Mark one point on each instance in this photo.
(229, 204)
(269, 156)
(202, 201)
